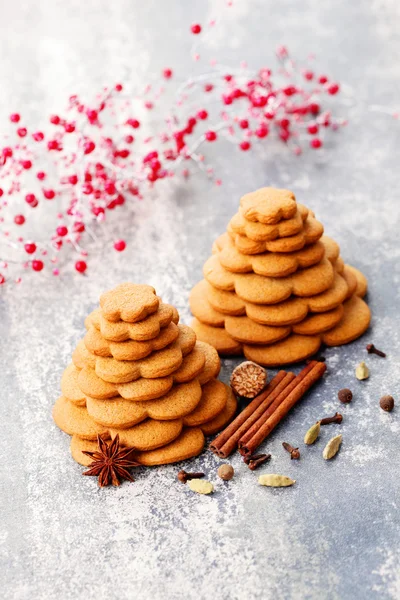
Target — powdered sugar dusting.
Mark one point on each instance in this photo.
(335, 533)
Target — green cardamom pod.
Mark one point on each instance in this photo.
(274, 480)
(332, 447)
(201, 486)
(312, 433)
(362, 371)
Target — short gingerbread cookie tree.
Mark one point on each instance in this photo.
(140, 375)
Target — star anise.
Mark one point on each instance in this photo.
(110, 462)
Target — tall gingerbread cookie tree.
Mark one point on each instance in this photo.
(275, 288)
(139, 374)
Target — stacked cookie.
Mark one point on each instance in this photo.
(275, 287)
(139, 374)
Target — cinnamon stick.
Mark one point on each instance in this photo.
(281, 406)
(246, 412)
(248, 434)
(227, 441)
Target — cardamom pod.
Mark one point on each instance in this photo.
(362, 371)
(201, 486)
(332, 447)
(274, 480)
(312, 433)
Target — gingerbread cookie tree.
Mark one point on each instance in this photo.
(275, 288)
(139, 374)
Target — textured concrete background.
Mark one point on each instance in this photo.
(335, 534)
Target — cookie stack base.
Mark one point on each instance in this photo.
(188, 444)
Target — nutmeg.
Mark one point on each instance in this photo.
(226, 472)
(345, 395)
(248, 379)
(386, 403)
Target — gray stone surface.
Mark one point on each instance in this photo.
(335, 534)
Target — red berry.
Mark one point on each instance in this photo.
(314, 108)
(62, 230)
(80, 266)
(309, 75)
(15, 117)
(88, 177)
(211, 136)
(69, 127)
(118, 87)
(245, 145)
(110, 188)
(2, 279)
(55, 119)
(262, 131)
(237, 93)
(323, 79)
(41, 175)
(27, 164)
(37, 265)
(290, 90)
(228, 77)
(22, 131)
(208, 87)
(227, 100)
(88, 147)
(87, 188)
(285, 123)
(124, 153)
(19, 219)
(195, 28)
(167, 73)
(31, 199)
(284, 135)
(202, 114)
(313, 129)
(333, 89)
(129, 139)
(120, 200)
(92, 115)
(73, 179)
(119, 245)
(79, 227)
(243, 123)
(49, 194)
(98, 210)
(316, 143)
(54, 145)
(152, 176)
(7, 152)
(133, 123)
(259, 101)
(1, 192)
(38, 136)
(30, 247)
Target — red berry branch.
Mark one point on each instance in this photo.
(102, 156)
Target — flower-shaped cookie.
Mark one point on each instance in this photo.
(274, 264)
(269, 205)
(260, 232)
(311, 231)
(129, 302)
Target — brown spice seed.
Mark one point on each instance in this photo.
(345, 396)
(226, 472)
(386, 403)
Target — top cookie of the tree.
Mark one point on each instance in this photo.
(129, 302)
(269, 205)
